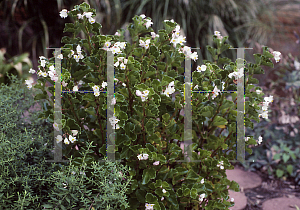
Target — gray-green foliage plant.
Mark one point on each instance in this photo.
(26, 180)
(103, 191)
(23, 149)
(170, 184)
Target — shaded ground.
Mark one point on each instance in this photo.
(270, 188)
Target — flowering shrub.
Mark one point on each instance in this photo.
(148, 72)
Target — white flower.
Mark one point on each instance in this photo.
(60, 56)
(259, 140)
(116, 50)
(194, 56)
(74, 132)
(247, 138)
(43, 63)
(58, 138)
(78, 49)
(269, 99)
(113, 120)
(145, 156)
(104, 84)
(169, 21)
(40, 73)
(143, 16)
(75, 88)
(145, 44)
(55, 125)
(51, 68)
(96, 93)
(202, 181)
(156, 163)
(42, 58)
(80, 16)
(72, 139)
(29, 83)
(297, 65)
(76, 57)
(32, 71)
(140, 157)
(196, 87)
(91, 20)
(113, 101)
(122, 66)
(202, 68)
(232, 199)
(63, 13)
(164, 191)
(162, 198)
(148, 23)
(96, 88)
(82, 173)
(66, 141)
(153, 35)
(44, 74)
(88, 14)
(65, 186)
(124, 84)
(201, 197)
(117, 34)
(276, 56)
(216, 92)
(73, 172)
(149, 206)
(258, 91)
(72, 53)
(64, 84)
(107, 44)
(217, 33)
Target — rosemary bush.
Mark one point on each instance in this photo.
(27, 181)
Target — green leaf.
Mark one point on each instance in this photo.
(150, 198)
(279, 173)
(148, 174)
(277, 156)
(289, 169)
(285, 157)
(219, 121)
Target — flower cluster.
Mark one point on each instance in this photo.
(259, 139)
(143, 94)
(116, 48)
(113, 121)
(218, 34)
(149, 206)
(221, 165)
(265, 107)
(122, 65)
(88, 15)
(147, 22)
(143, 156)
(237, 74)
(201, 197)
(169, 90)
(79, 54)
(176, 38)
(66, 141)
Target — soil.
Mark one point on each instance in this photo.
(270, 188)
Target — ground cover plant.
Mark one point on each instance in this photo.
(27, 181)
